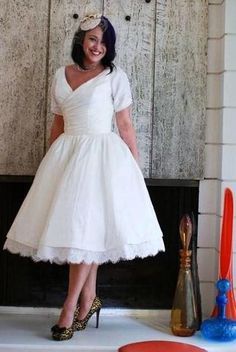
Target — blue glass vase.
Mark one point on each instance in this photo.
(220, 328)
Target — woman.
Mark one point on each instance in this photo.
(88, 203)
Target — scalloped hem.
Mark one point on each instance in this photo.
(76, 256)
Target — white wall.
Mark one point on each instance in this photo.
(220, 155)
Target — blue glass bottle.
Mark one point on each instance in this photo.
(220, 328)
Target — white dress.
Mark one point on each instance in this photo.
(88, 202)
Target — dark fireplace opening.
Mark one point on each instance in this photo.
(140, 283)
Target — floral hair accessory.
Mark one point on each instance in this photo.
(90, 21)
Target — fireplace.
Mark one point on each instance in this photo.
(140, 283)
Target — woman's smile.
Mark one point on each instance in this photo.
(96, 53)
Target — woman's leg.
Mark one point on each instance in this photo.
(78, 275)
(88, 292)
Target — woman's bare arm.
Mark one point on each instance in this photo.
(57, 128)
(126, 130)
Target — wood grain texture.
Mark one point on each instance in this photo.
(135, 54)
(24, 27)
(62, 29)
(163, 50)
(180, 89)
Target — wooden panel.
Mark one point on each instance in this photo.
(180, 89)
(174, 147)
(135, 49)
(24, 28)
(62, 29)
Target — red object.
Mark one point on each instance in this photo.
(160, 346)
(226, 254)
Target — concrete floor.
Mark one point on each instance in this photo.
(28, 330)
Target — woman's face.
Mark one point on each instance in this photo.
(93, 46)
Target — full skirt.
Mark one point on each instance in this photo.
(88, 203)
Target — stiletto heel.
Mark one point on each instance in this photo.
(97, 318)
(95, 308)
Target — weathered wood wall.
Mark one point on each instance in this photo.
(180, 89)
(23, 60)
(135, 54)
(163, 50)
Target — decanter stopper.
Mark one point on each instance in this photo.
(184, 314)
(185, 231)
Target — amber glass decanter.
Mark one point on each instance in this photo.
(184, 314)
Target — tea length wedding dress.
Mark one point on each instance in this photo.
(88, 202)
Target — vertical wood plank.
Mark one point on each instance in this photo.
(62, 29)
(135, 50)
(180, 89)
(23, 45)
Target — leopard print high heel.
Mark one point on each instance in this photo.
(63, 333)
(95, 308)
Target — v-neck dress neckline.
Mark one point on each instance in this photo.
(84, 83)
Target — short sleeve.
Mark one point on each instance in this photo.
(55, 108)
(121, 91)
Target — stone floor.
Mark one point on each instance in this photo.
(28, 330)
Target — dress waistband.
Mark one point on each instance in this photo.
(82, 131)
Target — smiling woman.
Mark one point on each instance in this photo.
(96, 207)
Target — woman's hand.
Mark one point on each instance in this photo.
(126, 131)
